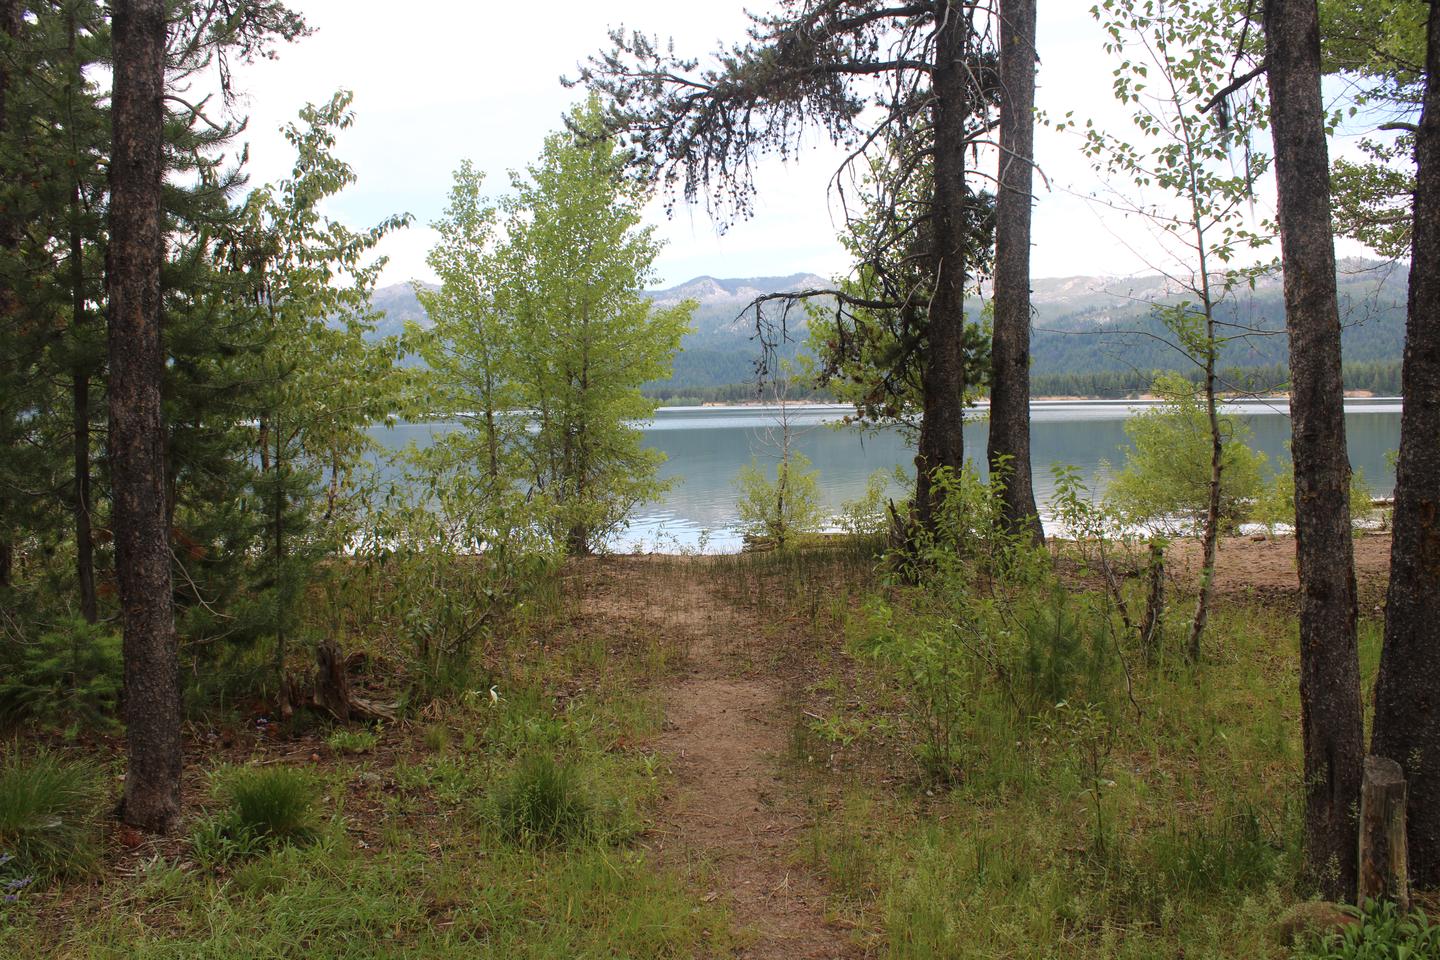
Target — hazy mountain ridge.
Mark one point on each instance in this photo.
(1111, 324)
(1081, 323)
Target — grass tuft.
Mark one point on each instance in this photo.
(265, 807)
(352, 741)
(48, 815)
(543, 803)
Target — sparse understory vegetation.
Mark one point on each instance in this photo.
(983, 766)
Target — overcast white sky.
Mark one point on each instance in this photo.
(437, 81)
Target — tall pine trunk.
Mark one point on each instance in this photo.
(137, 437)
(1407, 692)
(1009, 443)
(80, 399)
(942, 439)
(1329, 671)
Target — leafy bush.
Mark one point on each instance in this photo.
(70, 673)
(779, 509)
(967, 642)
(866, 516)
(1166, 476)
(544, 803)
(936, 661)
(455, 566)
(1276, 504)
(264, 807)
(48, 816)
(1383, 933)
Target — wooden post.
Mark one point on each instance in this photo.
(1384, 864)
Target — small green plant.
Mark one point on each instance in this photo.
(841, 729)
(264, 807)
(68, 674)
(48, 814)
(936, 661)
(1382, 933)
(352, 741)
(543, 803)
(1089, 737)
(782, 508)
(1165, 480)
(1059, 659)
(437, 737)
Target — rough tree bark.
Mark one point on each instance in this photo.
(1009, 443)
(137, 440)
(1329, 672)
(1407, 692)
(942, 430)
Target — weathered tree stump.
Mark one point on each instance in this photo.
(333, 693)
(1384, 864)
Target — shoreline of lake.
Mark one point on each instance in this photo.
(706, 447)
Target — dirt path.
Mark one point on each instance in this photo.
(733, 822)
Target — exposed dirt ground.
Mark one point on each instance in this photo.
(732, 823)
(1265, 568)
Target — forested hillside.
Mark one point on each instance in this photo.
(1087, 325)
(1093, 336)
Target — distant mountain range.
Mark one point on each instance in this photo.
(1081, 324)
(1092, 324)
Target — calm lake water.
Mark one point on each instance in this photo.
(707, 446)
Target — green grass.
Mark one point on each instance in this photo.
(352, 741)
(273, 802)
(49, 811)
(409, 855)
(1161, 826)
(331, 901)
(262, 808)
(544, 803)
(416, 863)
(1152, 816)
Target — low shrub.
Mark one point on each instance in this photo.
(1062, 658)
(68, 674)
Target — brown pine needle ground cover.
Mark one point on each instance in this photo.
(747, 775)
